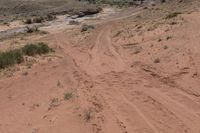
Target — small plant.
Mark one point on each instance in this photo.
(54, 102)
(28, 21)
(87, 115)
(68, 96)
(86, 27)
(38, 20)
(73, 22)
(172, 15)
(50, 17)
(157, 60)
(32, 29)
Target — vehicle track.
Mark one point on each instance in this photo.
(121, 98)
(136, 104)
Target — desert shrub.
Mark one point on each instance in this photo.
(28, 21)
(10, 58)
(44, 48)
(119, 3)
(38, 20)
(67, 96)
(86, 27)
(34, 49)
(50, 17)
(54, 102)
(30, 49)
(31, 29)
(87, 115)
(172, 15)
(13, 57)
(73, 22)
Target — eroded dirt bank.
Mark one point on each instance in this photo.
(125, 76)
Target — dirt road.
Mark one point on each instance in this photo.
(113, 90)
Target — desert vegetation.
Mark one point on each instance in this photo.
(68, 95)
(45, 10)
(86, 27)
(117, 2)
(12, 57)
(172, 15)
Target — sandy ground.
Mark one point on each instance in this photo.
(116, 84)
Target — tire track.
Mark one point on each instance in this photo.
(103, 56)
(172, 119)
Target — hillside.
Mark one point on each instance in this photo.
(132, 69)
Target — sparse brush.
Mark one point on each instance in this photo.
(172, 15)
(10, 58)
(73, 22)
(86, 27)
(50, 17)
(34, 49)
(68, 96)
(28, 21)
(38, 20)
(54, 102)
(32, 29)
(87, 115)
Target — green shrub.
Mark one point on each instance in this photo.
(34, 49)
(67, 96)
(44, 48)
(30, 49)
(10, 58)
(13, 57)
